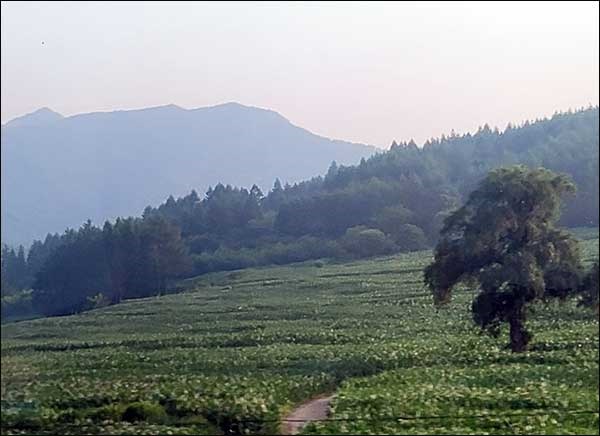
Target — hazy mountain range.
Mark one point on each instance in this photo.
(59, 171)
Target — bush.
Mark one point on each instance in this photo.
(361, 241)
(411, 238)
(97, 301)
(144, 411)
(305, 248)
(110, 412)
(280, 253)
(224, 259)
(391, 219)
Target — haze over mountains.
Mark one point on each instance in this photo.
(59, 171)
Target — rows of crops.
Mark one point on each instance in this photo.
(239, 349)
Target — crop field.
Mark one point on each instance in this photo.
(237, 350)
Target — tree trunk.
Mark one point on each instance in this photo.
(519, 337)
(162, 285)
(117, 295)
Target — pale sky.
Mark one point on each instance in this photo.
(364, 72)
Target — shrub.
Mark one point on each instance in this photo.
(411, 238)
(97, 301)
(144, 411)
(109, 412)
(361, 241)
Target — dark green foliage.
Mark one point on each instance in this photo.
(112, 412)
(144, 411)
(17, 305)
(18, 270)
(591, 289)
(504, 238)
(14, 270)
(392, 219)
(93, 267)
(74, 272)
(365, 242)
(40, 251)
(279, 253)
(405, 194)
(163, 253)
(410, 238)
(452, 166)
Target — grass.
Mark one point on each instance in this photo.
(237, 349)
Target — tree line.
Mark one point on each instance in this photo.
(392, 202)
(90, 267)
(396, 200)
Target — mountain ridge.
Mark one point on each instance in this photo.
(100, 165)
(41, 115)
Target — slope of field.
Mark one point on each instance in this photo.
(238, 350)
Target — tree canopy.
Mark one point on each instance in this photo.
(505, 239)
(130, 258)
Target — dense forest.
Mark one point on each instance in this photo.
(392, 202)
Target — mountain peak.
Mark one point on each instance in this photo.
(234, 107)
(46, 110)
(168, 107)
(41, 116)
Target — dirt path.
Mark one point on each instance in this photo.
(312, 410)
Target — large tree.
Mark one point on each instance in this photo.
(75, 272)
(504, 238)
(164, 253)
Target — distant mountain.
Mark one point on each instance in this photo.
(38, 118)
(59, 171)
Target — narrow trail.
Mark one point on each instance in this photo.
(312, 410)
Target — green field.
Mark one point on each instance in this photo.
(238, 349)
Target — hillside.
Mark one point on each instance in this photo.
(59, 171)
(238, 349)
(395, 201)
(434, 178)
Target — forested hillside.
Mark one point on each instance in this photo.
(392, 202)
(431, 179)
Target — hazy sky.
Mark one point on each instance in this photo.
(366, 72)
